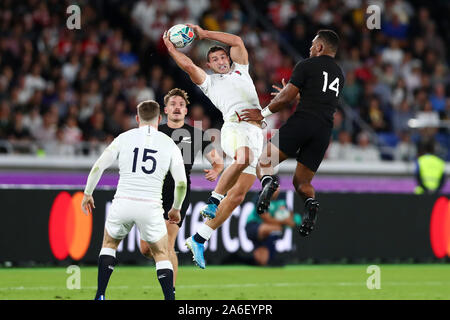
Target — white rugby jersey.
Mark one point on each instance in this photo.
(145, 156)
(231, 92)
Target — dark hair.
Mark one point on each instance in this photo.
(426, 146)
(148, 110)
(330, 38)
(176, 92)
(215, 49)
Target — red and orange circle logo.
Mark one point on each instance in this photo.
(69, 229)
(440, 228)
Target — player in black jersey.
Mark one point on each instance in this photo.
(191, 141)
(306, 134)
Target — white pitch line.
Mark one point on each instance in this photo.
(246, 285)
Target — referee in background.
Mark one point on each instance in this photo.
(191, 141)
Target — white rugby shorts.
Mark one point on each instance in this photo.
(242, 134)
(148, 217)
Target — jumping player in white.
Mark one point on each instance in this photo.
(231, 90)
(145, 156)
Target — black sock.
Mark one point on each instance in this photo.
(106, 265)
(198, 238)
(211, 199)
(266, 179)
(165, 278)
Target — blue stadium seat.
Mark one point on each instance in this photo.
(388, 139)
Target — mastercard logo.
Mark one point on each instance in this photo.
(69, 229)
(440, 228)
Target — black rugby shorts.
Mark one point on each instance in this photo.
(304, 137)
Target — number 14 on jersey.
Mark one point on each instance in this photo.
(334, 86)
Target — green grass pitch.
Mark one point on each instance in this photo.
(296, 282)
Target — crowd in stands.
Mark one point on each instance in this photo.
(70, 92)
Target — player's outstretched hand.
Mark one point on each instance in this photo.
(174, 216)
(87, 204)
(211, 174)
(167, 42)
(199, 32)
(251, 115)
(283, 82)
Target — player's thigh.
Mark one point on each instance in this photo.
(271, 155)
(109, 241)
(313, 152)
(245, 138)
(120, 218)
(293, 135)
(172, 233)
(149, 219)
(256, 145)
(230, 139)
(242, 185)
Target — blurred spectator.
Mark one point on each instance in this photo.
(375, 116)
(352, 90)
(401, 115)
(142, 92)
(71, 133)
(265, 229)
(17, 133)
(4, 118)
(365, 151)
(32, 120)
(58, 147)
(437, 99)
(405, 150)
(342, 149)
(97, 132)
(46, 132)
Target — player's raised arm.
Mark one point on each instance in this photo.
(179, 177)
(238, 52)
(197, 74)
(283, 99)
(106, 159)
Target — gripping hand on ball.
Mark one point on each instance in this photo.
(199, 32)
(167, 42)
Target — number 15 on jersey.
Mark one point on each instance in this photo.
(146, 156)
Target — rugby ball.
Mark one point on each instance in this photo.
(181, 35)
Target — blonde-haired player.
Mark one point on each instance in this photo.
(231, 89)
(145, 156)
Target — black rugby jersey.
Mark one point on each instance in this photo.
(190, 140)
(320, 81)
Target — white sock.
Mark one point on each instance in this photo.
(205, 231)
(164, 264)
(218, 196)
(108, 252)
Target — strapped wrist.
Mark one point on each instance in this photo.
(266, 112)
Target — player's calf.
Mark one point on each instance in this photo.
(164, 272)
(106, 263)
